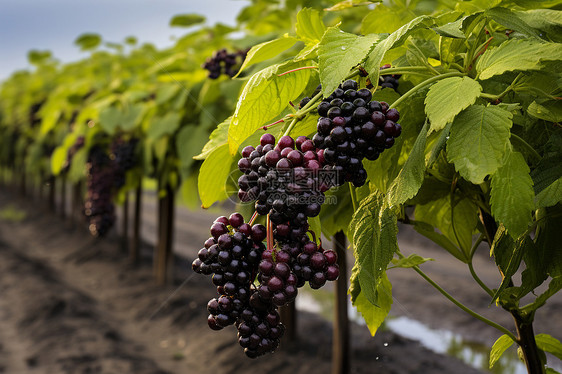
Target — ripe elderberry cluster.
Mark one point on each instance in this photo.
(352, 127)
(232, 255)
(283, 178)
(223, 62)
(123, 158)
(389, 80)
(99, 208)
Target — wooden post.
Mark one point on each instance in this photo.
(340, 344)
(125, 224)
(63, 197)
(163, 256)
(288, 315)
(134, 249)
(51, 196)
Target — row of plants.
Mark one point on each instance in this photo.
(461, 139)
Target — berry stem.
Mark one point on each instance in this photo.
(461, 305)
(423, 84)
(254, 216)
(269, 234)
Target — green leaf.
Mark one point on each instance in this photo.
(498, 349)
(374, 242)
(512, 21)
(478, 141)
(186, 20)
(188, 141)
(267, 50)
(309, 27)
(265, 96)
(449, 97)
(410, 178)
(451, 29)
(58, 159)
(213, 176)
(548, 110)
(37, 57)
(316, 227)
(218, 137)
(374, 59)
(517, 55)
(508, 255)
(549, 344)
(88, 41)
(551, 195)
(456, 222)
(382, 19)
(548, 20)
(338, 53)
(512, 195)
(160, 126)
(547, 237)
(410, 261)
(373, 315)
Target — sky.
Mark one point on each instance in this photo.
(55, 24)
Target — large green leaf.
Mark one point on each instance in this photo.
(265, 96)
(213, 176)
(549, 344)
(449, 97)
(410, 178)
(338, 53)
(267, 50)
(551, 195)
(512, 21)
(547, 20)
(512, 195)
(456, 221)
(309, 27)
(382, 19)
(374, 59)
(517, 55)
(218, 137)
(499, 347)
(188, 142)
(374, 315)
(374, 229)
(160, 126)
(549, 110)
(478, 141)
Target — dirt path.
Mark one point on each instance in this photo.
(73, 305)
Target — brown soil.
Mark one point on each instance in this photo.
(72, 304)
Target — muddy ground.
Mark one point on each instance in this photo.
(72, 304)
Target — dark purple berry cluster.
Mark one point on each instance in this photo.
(99, 208)
(283, 178)
(389, 80)
(124, 158)
(232, 256)
(223, 62)
(351, 127)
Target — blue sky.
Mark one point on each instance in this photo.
(55, 24)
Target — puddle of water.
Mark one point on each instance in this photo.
(446, 342)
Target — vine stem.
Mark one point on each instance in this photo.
(461, 305)
(527, 146)
(353, 197)
(254, 216)
(471, 266)
(423, 84)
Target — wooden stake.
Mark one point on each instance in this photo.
(288, 315)
(125, 225)
(340, 344)
(134, 249)
(163, 257)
